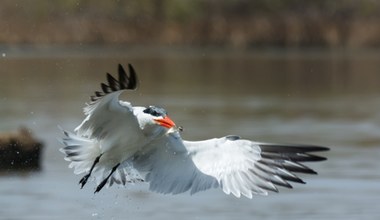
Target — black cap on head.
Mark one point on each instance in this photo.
(155, 111)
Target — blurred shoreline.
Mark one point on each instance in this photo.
(47, 51)
(240, 24)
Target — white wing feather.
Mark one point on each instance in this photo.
(176, 166)
(229, 160)
(110, 129)
(110, 121)
(238, 166)
(170, 168)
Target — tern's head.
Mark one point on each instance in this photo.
(159, 117)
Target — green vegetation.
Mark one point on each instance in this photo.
(233, 23)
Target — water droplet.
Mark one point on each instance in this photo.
(94, 214)
(3, 54)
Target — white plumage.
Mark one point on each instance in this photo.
(119, 143)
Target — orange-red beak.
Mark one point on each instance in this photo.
(165, 122)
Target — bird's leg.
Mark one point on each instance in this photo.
(83, 181)
(103, 183)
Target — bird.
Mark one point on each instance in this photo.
(118, 143)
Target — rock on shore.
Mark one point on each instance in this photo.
(20, 151)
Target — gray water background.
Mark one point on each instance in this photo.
(325, 98)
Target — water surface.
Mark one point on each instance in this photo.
(322, 98)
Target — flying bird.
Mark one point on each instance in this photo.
(118, 143)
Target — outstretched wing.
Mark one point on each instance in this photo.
(243, 167)
(238, 166)
(125, 82)
(169, 167)
(106, 115)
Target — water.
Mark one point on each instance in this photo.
(323, 98)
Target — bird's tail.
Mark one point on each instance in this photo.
(80, 151)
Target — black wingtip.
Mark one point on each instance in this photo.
(113, 83)
(125, 81)
(132, 77)
(294, 148)
(320, 148)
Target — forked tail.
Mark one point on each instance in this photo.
(80, 151)
(85, 156)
